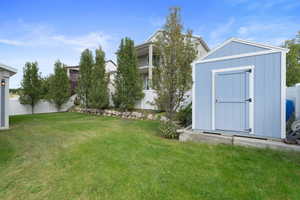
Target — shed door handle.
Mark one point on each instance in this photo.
(249, 100)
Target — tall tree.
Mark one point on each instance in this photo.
(99, 89)
(172, 77)
(85, 78)
(128, 83)
(31, 86)
(59, 90)
(293, 61)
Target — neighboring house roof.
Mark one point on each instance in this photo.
(143, 45)
(111, 62)
(264, 46)
(154, 35)
(11, 70)
(77, 66)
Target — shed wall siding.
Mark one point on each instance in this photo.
(267, 92)
(235, 48)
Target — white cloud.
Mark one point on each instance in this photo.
(217, 35)
(40, 35)
(157, 22)
(272, 32)
(12, 42)
(265, 4)
(22, 42)
(91, 40)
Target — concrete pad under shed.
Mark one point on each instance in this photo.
(187, 135)
(206, 138)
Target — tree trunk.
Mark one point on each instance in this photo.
(58, 108)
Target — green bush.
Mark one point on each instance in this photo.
(168, 130)
(184, 116)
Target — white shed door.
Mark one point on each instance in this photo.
(232, 101)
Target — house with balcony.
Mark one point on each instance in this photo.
(148, 58)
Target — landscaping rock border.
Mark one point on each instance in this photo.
(124, 115)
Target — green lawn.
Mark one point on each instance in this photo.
(77, 156)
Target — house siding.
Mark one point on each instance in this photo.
(234, 48)
(267, 91)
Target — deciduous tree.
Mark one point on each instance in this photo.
(99, 88)
(31, 86)
(85, 78)
(173, 75)
(59, 91)
(293, 61)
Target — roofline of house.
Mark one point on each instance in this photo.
(143, 45)
(148, 42)
(77, 66)
(111, 62)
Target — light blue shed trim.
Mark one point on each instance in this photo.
(283, 95)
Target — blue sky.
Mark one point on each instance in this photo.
(45, 31)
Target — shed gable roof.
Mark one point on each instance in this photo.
(234, 46)
(11, 70)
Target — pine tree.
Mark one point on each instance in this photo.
(31, 86)
(99, 89)
(85, 78)
(172, 77)
(128, 83)
(59, 91)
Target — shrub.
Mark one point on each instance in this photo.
(184, 116)
(168, 129)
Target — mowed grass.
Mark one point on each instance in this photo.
(78, 156)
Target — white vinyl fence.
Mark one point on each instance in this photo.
(148, 101)
(16, 108)
(293, 93)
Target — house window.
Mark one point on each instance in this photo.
(155, 60)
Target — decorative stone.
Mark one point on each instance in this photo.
(124, 115)
(150, 117)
